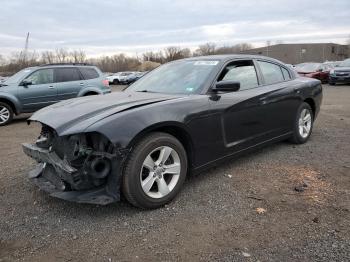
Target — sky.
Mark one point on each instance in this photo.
(105, 27)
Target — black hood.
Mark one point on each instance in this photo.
(86, 111)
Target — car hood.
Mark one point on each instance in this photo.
(85, 111)
(340, 68)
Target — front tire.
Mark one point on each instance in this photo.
(303, 124)
(6, 114)
(155, 171)
(116, 82)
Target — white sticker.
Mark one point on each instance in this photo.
(206, 63)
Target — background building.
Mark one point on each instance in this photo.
(299, 53)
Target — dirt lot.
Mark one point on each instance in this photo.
(214, 218)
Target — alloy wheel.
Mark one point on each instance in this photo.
(160, 172)
(305, 123)
(4, 114)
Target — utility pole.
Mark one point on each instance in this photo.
(268, 43)
(25, 51)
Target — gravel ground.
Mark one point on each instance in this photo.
(244, 210)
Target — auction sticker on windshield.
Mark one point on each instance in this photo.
(206, 63)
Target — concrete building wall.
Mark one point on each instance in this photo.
(299, 53)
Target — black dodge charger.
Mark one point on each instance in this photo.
(181, 118)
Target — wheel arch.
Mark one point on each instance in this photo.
(172, 128)
(90, 93)
(87, 91)
(10, 103)
(312, 104)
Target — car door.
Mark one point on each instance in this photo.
(40, 90)
(282, 97)
(247, 117)
(69, 82)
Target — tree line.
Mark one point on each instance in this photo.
(114, 63)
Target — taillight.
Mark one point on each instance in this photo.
(105, 82)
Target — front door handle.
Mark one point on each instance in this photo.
(263, 100)
(81, 84)
(51, 87)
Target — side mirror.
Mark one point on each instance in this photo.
(227, 86)
(26, 83)
(320, 70)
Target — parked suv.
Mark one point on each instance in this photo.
(341, 73)
(36, 87)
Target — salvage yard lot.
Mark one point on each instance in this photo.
(246, 210)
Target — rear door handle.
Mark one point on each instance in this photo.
(51, 87)
(81, 84)
(297, 90)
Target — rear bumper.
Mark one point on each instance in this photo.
(54, 175)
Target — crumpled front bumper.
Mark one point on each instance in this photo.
(53, 176)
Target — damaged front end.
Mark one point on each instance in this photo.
(83, 168)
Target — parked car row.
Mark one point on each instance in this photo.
(328, 72)
(124, 78)
(36, 87)
(3, 78)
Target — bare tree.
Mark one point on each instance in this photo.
(206, 49)
(348, 42)
(2, 60)
(157, 57)
(172, 53)
(115, 63)
(78, 56)
(233, 49)
(61, 55)
(48, 57)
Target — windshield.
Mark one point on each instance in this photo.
(182, 77)
(18, 76)
(345, 63)
(310, 67)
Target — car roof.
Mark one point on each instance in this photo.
(231, 57)
(66, 65)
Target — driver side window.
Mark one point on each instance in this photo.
(41, 76)
(241, 71)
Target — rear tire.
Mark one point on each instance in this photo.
(115, 82)
(303, 124)
(6, 114)
(332, 84)
(147, 181)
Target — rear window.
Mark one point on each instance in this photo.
(67, 74)
(89, 73)
(272, 73)
(286, 74)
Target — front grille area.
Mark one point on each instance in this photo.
(342, 73)
(90, 154)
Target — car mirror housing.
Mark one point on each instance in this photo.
(26, 83)
(227, 86)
